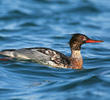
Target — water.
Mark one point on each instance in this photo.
(50, 23)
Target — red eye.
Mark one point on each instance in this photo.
(82, 37)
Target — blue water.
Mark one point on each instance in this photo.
(50, 23)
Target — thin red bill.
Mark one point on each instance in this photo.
(93, 41)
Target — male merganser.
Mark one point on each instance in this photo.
(51, 57)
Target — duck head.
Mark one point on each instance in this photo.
(78, 39)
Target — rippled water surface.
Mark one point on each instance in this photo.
(50, 23)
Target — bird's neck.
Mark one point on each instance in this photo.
(76, 60)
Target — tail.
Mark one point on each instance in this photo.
(8, 52)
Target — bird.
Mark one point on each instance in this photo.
(53, 58)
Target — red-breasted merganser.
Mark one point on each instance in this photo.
(51, 57)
